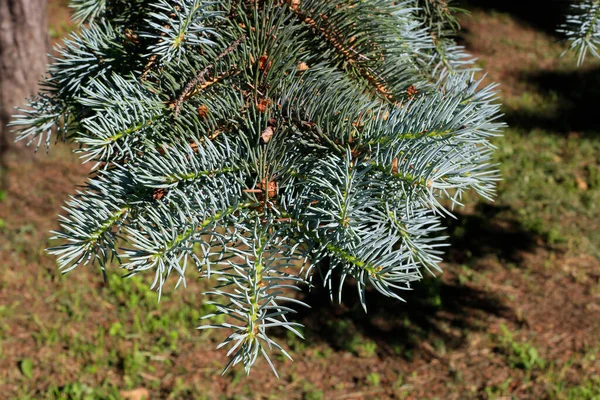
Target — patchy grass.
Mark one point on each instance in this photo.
(552, 185)
(518, 354)
(515, 315)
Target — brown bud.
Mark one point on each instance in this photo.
(302, 66)
(263, 63)
(272, 187)
(267, 134)
(159, 193)
(202, 111)
(411, 91)
(131, 36)
(263, 105)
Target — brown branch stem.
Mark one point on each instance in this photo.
(200, 78)
(349, 53)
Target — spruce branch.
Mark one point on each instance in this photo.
(348, 52)
(262, 142)
(87, 10)
(582, 29)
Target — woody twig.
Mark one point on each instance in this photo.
(201, 77)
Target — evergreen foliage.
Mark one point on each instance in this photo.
(582, 29)
(261, 142)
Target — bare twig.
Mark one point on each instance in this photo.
(200, 78)
(349, 53)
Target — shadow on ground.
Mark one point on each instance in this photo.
(489, 231)
(574, 96)
(433, 313)
(439, 311)
(543, 15)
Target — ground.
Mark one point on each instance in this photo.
(516, 313)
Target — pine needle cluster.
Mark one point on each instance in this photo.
(582, 29)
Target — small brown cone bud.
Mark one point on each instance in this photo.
(302, 66)
(272, 187)
(411, 91)
(202, 111)
(131, 36)
(159, 193)
(263, 105)
(267, 134)
(263, 63)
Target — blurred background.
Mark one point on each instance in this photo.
(516, 314)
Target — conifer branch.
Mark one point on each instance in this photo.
(351, 55)
(327, 142)
(582, 29)
(200, 78)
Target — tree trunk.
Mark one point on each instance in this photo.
(23, 58)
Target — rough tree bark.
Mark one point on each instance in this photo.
(23, 49)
